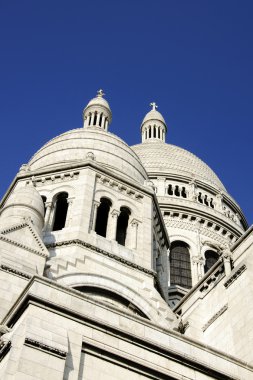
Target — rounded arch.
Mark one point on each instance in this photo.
(133, 207)
(101, 193)
(84, 279)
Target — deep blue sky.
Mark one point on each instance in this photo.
(193, 57)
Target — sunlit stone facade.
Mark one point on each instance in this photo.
(120, 261)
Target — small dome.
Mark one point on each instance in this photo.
(153, 115)
(24, 202)
(98, 101)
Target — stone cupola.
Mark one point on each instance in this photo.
(97, 113)
(153, 127)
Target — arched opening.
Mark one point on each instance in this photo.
(154, 131)
(122, 225)
(102, 216)
(89, 118)
(177, 192)
(61, 209)
(95, 119)
(44, 199)
(170, 190)
(211, 258)
(149, 132)
(159, 134)
(180, 265)
(183, 192)
(100, 119)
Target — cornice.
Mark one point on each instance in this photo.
(46, 348)
(15, 271)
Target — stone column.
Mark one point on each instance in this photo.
(96, 204)
(106, 124)
(112, 224)
(195, 276)
(49, 207)
(192, 190)
(92, 118)
(132, 236)
(218, 202)
(227, 260)
(69, 212)
(97, 121)
(201, 271)
(103, 122)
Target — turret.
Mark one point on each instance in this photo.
(97, 113)
(153, 127)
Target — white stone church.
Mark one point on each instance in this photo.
(121, 262)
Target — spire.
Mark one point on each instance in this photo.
(153, 127)
(97, 113)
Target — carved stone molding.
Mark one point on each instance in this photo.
(214, 317)
(234, 275)
(44, 347)
(14, 271)
(4, 232)
(99, 250)
(107, 181)
(56, 178)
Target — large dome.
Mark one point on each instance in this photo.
(73, 146)
(160, 158)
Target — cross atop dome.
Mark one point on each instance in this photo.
(100, 93)
(154, 106)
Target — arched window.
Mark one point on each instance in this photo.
(102, 216)
(44, 199)
(211, 258)
(95, 119)
(154, 131)
(149, 132)
(61, 209)
(100, 119)
(122, 225)
(180, 265)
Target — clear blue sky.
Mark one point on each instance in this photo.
(193, 57)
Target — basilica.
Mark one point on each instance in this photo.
(123, 262)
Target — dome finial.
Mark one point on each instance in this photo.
(100, 93)
(154, 106)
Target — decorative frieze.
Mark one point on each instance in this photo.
(107, 181)
(234, 275)
(209, 229)
(51, 179)
(214, 317)
(44, 347)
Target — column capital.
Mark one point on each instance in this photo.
(115, 213)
